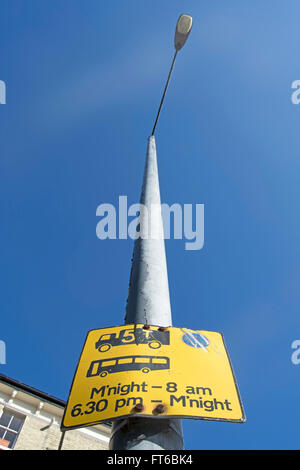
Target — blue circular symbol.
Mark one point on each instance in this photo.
(196, 340)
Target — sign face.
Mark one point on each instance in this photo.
(132, 371)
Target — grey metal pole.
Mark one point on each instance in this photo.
(148, 303)
(148, 298)
(164, 93)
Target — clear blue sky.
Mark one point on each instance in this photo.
(84, 80)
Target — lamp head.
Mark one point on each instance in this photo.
(183, 29)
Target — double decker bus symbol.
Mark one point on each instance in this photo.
(119, 364)
(154, 338)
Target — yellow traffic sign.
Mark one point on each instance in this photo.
(131, 370)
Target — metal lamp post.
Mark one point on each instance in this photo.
(148, 298)
(183, 29)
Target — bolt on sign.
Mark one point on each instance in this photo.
(149, 371)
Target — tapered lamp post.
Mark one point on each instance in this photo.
(148, 298)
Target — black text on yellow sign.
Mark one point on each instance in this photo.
(132, 371)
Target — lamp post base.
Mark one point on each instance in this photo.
(147, 434)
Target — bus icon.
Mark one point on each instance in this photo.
(119, 364)
(154, 338)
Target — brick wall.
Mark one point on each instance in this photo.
(32, 438)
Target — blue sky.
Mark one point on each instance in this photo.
(84, 80)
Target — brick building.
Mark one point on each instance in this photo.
(30, 420)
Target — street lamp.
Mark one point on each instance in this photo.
(148, 300)
(183, 29)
